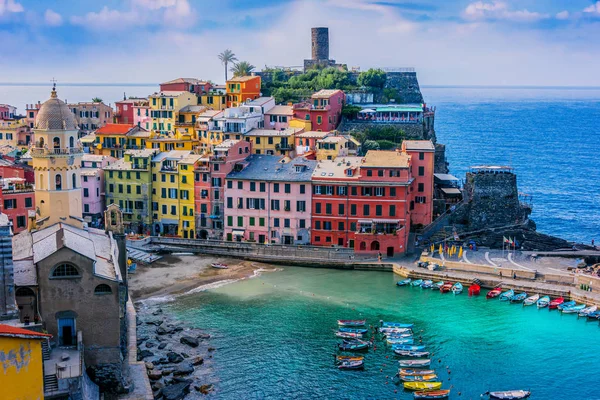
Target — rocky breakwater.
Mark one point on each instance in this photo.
(177, 357)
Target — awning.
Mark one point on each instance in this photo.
(365, 221)
(386, 221)
(453, 191)
(367, 110)
(445, 177)
(399, 109)
(238, 233)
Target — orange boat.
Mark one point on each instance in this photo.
(432, 394)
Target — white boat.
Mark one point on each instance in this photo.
(509, 394)
(586, 311)
(415, 363)
(531, 300)
(219, 266)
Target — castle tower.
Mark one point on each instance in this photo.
(320, 43)
(56, 164)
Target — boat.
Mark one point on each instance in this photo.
(587, 311)
(432, 394)
(349, 335)
(354, 345)
(408, 353)
(556, 302)
(407, 372)
(219, 266)
(495, 292)
(573, 309)
(594, 315)
(399, 336)
(415, 363)
(395, 325)
(408, 347)
(348, 358)
(400, 340)
(417, 282)
(457, 288)
(387, 331)
(531, 300)
(543, 302)
(354, 330)
(507, 295)
(418, 378)
(517, 298)
(352, 365)
(446, 287)
(566, 304)
(404, 282)
(351, 322)
(422, 385)
(509, 395)
(438, 285)
(426, 284)
(474, 290)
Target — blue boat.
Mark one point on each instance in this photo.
(594, 315)
(427, 284)
(417, 282)
(400, 340)
(573, 309)
(395, 325)
(397, 335)
(354, 330)
(543, 302)
(507, 295)
(457, 288)
(566, 305)
(437, 285)
(404, 282)
(408, 347)
(518, 298)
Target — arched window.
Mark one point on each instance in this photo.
(71, 142)
(42, 181)
(102, 289)
(58, 182)
(363, 246)
(65, 271)
(374, 245)
(56, 142)
(41, 142)
(74, 179)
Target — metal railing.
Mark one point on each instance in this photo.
(64, 151)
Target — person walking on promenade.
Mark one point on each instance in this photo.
(379, 256)
(514, 275)
(500, 274)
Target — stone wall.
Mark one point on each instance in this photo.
(320, 43)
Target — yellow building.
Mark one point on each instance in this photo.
(22, 366)
(184, 135)
(114, 139)
(331, 147)
(300, 123)
(210, 133)
(15, 133)
(164, 107)
(173, 193)
(274, 142)
(215, 100)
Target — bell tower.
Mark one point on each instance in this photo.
(56, 162)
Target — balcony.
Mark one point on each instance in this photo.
(168, 168)
(284, 147)
(127, 210)
(203, 169)
(56, 152)
(218, 159)
(17, 188)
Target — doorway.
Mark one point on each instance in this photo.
(390, 251)
(66, 332)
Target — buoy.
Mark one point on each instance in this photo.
(439, 360)
(459, 393)
(381, 370)
(395, 391)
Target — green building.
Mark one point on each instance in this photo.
(128, 184)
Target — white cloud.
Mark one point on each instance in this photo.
(10, 6)
(107, 18)
(594, 8)
(563, 15)
(499, 10)
(53, 18)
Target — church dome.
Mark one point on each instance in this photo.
(54, 114)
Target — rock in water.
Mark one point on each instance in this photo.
(174, 357)
(190, 341)
(176, 391)
(184, 368)
(162, 346)
(205, 389)
(149, 365)
(145, 353)
(197, 360)
(161, 330)
(204, 336)
(154, 375)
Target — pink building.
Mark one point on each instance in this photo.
(209, 183)
(324, 111)
(31, 111)
(278, 117)
(92, 186)
(141, 116)
(422, 154)
(306, 143)
(7, 111)
(124, 110)
(269, 201)
(191, 85)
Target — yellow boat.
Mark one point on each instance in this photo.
(349, 358)
(422, 385)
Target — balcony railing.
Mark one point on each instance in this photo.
(284, 146)
(66, 151)
(218, 159)
(202, 169)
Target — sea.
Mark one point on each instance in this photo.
(549, 136)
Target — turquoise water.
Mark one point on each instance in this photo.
(274, 339)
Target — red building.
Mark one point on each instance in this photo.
(17, 196)
(209, 185)
(124, 113)
(422, 154)
(191, 85)
(364, 202)
(324, 111)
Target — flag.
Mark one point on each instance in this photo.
(505, 239)
(510, 240)
(441, 250)
(432, 248)
(460, 252)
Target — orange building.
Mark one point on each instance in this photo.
(242, 88)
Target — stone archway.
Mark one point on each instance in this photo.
(203, 234)
(374, 245)
(27, 304)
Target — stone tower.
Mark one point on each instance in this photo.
(320, 44)
(56, 164)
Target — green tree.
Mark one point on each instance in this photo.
(227, 57)
(373, 78)
(96, 100)
(350, 110)
(370, 145)
(242, 68)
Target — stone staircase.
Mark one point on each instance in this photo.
(50, 383)
(45, 350)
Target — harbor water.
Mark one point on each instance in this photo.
(274, 339)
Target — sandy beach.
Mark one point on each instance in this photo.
(177, 274)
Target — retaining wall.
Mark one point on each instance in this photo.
(507, 273)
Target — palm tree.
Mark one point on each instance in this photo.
(227, 57)
(242, 68)
(96, 100)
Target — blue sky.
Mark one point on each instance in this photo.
(466, 42)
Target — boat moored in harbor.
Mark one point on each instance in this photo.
(422, 385)
(457, 288)
(506, 296)
(509, 395)
(543, 302)
(531, 300)
(517, 298)
(555, 303)
(404, 282)
(432, 394)
(415, 363)
(474, 290)
(446, 287)
(493, 293)
(351, 322)
(219, 266)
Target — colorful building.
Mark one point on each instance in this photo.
(210, 132)
(128, 184)
(279, 117)
(422, 154)
(164, 107)
(215, 99)
(306, 143)
(333, 146)
(187, 218)
(273, 142)
(7, 111)
(91, 115)
(22, 366)
(141, 115)
(15, 133)
(114, 139)
(242, 88)
(191, 85)
(125, 110)
(237, 121)
(324, 111)
(17, 200)
(211, 202)
(185, 134)
(31, 111)
(92, 186)
(268, 200)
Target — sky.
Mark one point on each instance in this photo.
(449, 42)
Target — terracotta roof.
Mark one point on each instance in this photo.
(193, 81)
(11, 331)
(280, 110)
(385, 158)
(242, 78)
(114, 129)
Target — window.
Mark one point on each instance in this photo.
(341, 190)
(240, 221)
(261, 222)
(86, 192)
(319, 120)
(340, 226)
(229, 220)
(302, 189)
(379, 191)
(421, 187)
(184, 178)
(288, 188)
(380, 172)
(352, 209)
(240, 185)
(301, 206)
(392, 211)
(28, 202)
(138, 189)
(274, 204)
(276, 222)
(257, 140)
(327, 225)
(420, 199)
(393, 192)
(251, 221)
(366, 210)
(21, 221)
(10, 203)
(85, 178)
(229, 184)
(287, 205)
(317, 225)
(230, 202)
(65, 271)
(102, 289)
(341, 209)
(120, 188)
(421, 171)
(421, 156)
(286, 223)
(317, 208)
(58, 181)
(253, 186)
(302, 223)
(164, 209)
(276, 188)
(262, 187)
(129, 189)
(111, 188)
(328, 208)
(173, 210)
(369, 172)
(378, 210)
